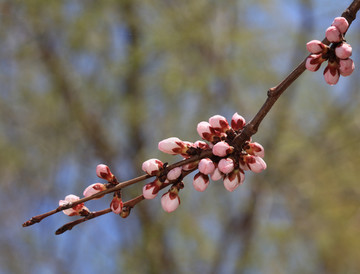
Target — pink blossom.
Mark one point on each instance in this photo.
(331, 73)
(174, 173)
(216, 175)
(219, 122)
(222, 149)
(233, 180)
(237, 121)
(200, 182)
(75, 210)
(343, 51)
(255, 163)
(346, 67)
(315, 46)
(173, 146)
(103, 172)
(150, 190)
(170, 201)
(226, 165)
(313, 62)
(116, 204)
(341, 23)
(190, 166)
(206, 166)
(93, 189)
(205, 131)
(152, 166)
(333, 34)
(256, 149)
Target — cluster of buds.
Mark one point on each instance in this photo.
(226, 162)
(338, 53)
(103, 172)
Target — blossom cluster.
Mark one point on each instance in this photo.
(337, 54)
(227, 162)
(103, 172)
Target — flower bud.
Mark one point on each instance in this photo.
(315, 46)
(333, 34)
(173, 146)
(206, 166)
(205, 131)
(103, 172)
(93, 189)
(255, 163)
(150, 190)
(200, 182)
(346, 67)
(201, 145)
(116, 204)
(152, 166)
(331, 73)
(219, 123)
(341, 24)
(343, 51)
(216, 175)
(174, 173)
(237, 121)
(226, 165)
(233, 180)
(255, 149)
(313, 62)
(170, 201)
(222, 149)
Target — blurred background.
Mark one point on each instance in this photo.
(89, 82)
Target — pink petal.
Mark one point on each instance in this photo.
(237, 121)
(346, 67)
(103, 172)
(333, 34)
(200, 182)
(206, 166)
(226, 165)
(331, 74)
(341, 23)
(152, 166)
(222, 149)
(93, 189)
(172, 145)
(315, 46)
(170, 201)
(174, 173)
(343, 51)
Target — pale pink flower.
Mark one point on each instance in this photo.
(341, 23)
(216, 175)
(219, 123)
(200, 182)
(103, 172)
(333, 34)
(93, 189)
(343, 51)
(116, 205)
(256, 149)
(206, 166)
(205, 131)
(346, 67)
(314, 61)
(172, 145)
(152, 166)
(222, 149)
(331, 73)
(233, 180)
(174, 173)
(170, 201)
(75, 210)
(237, 121)
(226, 165)
(315, 46)
(255, 163)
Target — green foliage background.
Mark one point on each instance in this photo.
(89, 82)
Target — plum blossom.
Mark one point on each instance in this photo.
(222, 149)
(152, 166)
(103, 172)
(338, 54)
(151, 190)
(93, 189)
(200, 182)
(78, 209)
(116, 204)
(206, 166)
(233, 180)
(170, 201)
